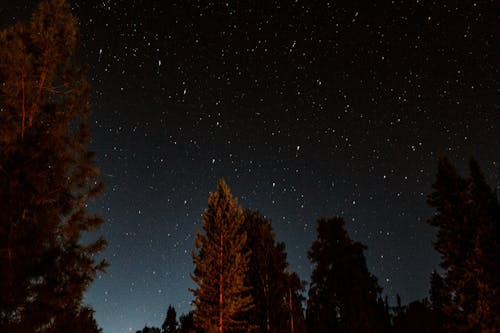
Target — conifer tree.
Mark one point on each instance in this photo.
(186, 323)
(47, 174)
(81, 322)
(467, 217)
(221, 264)
(439, 298)
(274, 288)
(296, 322)
(170, 324)
(483, 266)
(416, 317)
(343, 296)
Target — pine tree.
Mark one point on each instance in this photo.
(343, 296)
(47, 174)
(467, 217)
(455, 224)
(81, 322)
(186, 323)
(221, 265)
(170, 324)
(274, 288)
(416, 317)
(483, 266)
(439, 298)
(294, 299)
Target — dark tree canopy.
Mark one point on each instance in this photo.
(170, 324)
(81, 322)
(186, 323)
(468, 220)
(344, 295)
(296, 322)
(276, 292)
(221, 264)
(439, 297)
(416, 317)
(148, 329)
(47, 175)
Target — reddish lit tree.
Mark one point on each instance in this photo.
(468, 221)
(221, 263)
(47, 175)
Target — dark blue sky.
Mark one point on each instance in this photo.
(307, 109)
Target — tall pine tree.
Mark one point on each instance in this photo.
(47, 175)
(467, 217)
(454, 242)
(221, 264)
(344, 296)
(484, 266)
(296, 322)
(276, 292)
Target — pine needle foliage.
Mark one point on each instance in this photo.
(47, 175)
(276, 291)
(221, 265)
(344, 296)
(467, 217)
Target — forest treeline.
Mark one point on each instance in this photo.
(243, 280)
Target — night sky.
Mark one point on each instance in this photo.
(306, 108)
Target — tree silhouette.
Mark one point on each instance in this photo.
(483, 266)
(81, 322)
(416, 317)
(148, 329)
(186, 323)
(47, 174)
(467, 217)
(170, 324)
(439, 298)
(276, 291)
(343, 296)
(221, 265)
(295, 310)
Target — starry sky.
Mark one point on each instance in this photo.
(306, 108)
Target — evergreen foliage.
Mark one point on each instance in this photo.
(186, 323)
(468, 218)
(276, 292)
(296, 322)
(170, 324)
(439, 298)
(148, 329)
(47, 175)
(221, 264)
(416, 317)
(81, 322)
(344, 296)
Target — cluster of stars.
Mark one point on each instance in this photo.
(306, 109)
